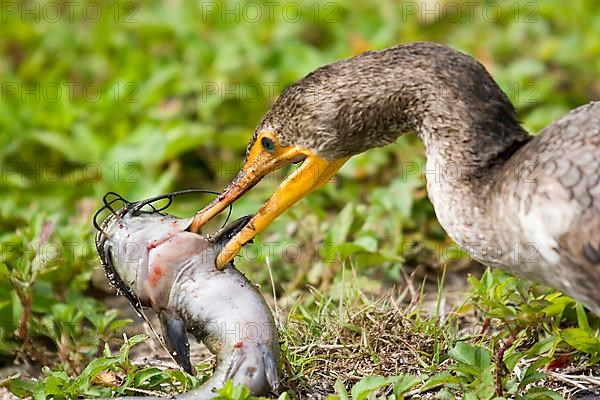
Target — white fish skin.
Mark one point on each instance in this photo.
(173, 271)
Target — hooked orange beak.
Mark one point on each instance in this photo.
(265, 156)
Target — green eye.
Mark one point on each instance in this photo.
(267, 144)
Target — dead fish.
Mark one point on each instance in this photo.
(155, 262)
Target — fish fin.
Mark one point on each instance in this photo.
(173, 330)
(237, 359)
(270, 370)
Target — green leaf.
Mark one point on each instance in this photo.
(538, 393)
(369, 385)
(340, 229)
(445, 394)
(341, 390)
(479, 359)
(532, 374)
(558, 305)
(62, 143)
(137, 339)
(230, 391)
(143, 377)
(56, 383)
(4, 274)
(94, 368)
(463, 352)
(582, 319)
(367, 243)
(511, 360)
(118, 325)
(581, 340)
(406, 383)
(442, 378)
(21, 387)
(470, 396)
(486, 388)
(544, 346)
(483, 358)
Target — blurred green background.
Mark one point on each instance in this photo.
(142, 98)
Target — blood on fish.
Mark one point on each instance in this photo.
(156, 273)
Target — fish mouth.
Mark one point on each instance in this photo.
(104, 245)
(119, 207)
(228, 231)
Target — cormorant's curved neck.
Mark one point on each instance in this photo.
(468, 125)
(355, 104)
(466, 122)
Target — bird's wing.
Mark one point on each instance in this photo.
(579, 249)
(568, 151)
(565, 199)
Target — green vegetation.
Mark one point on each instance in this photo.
(147, 97)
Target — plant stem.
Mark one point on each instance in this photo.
(499, 360)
